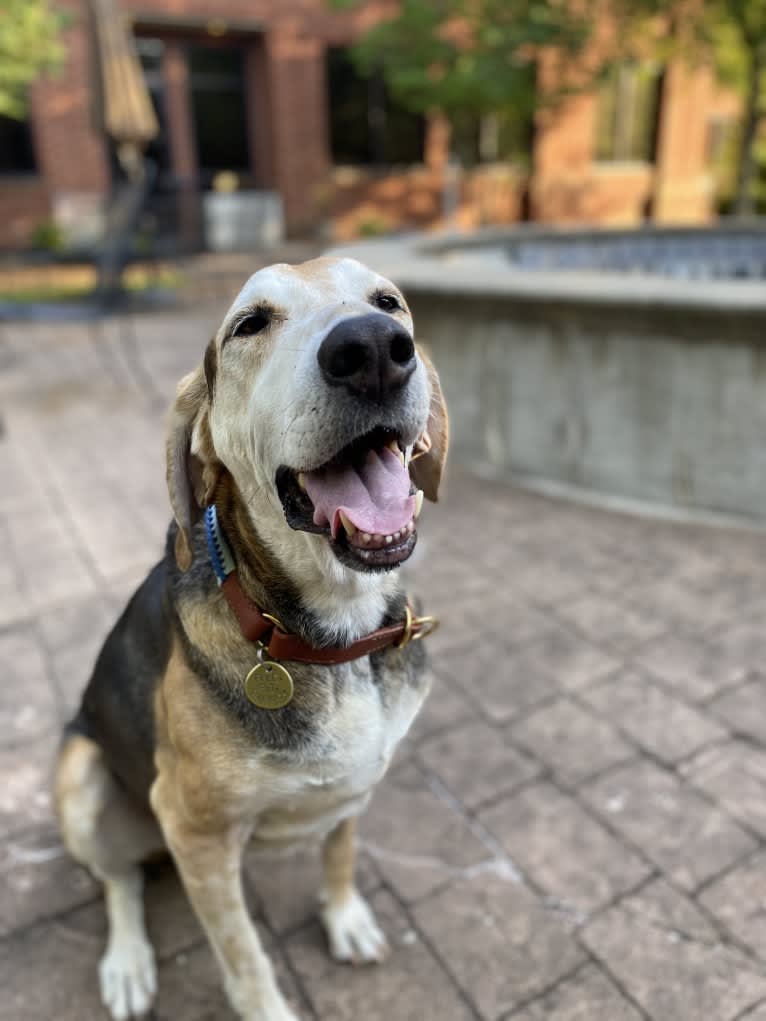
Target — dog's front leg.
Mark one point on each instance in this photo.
(210, 864)
(351, 929)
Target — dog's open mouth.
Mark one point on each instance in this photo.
(362, 499)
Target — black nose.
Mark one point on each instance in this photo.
(371, 356)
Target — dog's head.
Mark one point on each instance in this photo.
(315, 398)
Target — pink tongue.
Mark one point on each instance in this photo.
(374, 497)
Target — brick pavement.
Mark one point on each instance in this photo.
(575, 827)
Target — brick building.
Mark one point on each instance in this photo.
(264, 90)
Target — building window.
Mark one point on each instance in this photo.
(723, 144)
(219, 109)
(628, 111)
(17, 153)
(367, 126)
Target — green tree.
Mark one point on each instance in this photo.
(471, 58)
(29, 46)
(468, 58)
(730, 35)
(741, 33)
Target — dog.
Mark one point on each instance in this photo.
(257, 683)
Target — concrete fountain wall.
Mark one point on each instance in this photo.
(634, 386)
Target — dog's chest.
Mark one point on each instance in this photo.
(305, 795)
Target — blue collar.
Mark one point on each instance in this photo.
(220, 552)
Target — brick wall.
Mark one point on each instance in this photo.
(365, 202)
(287, 111)
(69, 153)
(24, 204)
(69, 156)
(569, 184)
(606, 194)
(299, 136)
(683, 190)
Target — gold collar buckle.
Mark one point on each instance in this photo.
(275, 621)
(422, 626)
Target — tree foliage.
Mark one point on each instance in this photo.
(29, 46)
(726, 32)
(747, 20)
(477, 57)
(731, 35)
(467, 56)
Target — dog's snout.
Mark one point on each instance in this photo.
(371, 356)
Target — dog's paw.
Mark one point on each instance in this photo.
(255, 997)
(277, 1009)
(128, 977)
(352, 931)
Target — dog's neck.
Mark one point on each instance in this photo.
(296, 576)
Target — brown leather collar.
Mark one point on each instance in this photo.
(268, 631)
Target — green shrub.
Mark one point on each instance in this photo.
(48, 237)
(372, 226)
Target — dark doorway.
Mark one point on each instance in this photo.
(17, 154)
(219, 109)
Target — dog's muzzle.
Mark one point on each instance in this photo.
(362, 497)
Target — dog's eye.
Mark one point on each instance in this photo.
(386, 302)
(252, 324)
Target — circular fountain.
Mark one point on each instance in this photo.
(628, 364)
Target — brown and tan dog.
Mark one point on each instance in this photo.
(310, 434)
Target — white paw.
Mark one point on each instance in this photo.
(258, 1004)
(277, 1009)
(128, 977)
(353, 933)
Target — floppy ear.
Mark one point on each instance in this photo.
(191, 476)
(430, 454)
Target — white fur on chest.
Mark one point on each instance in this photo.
(305, 798)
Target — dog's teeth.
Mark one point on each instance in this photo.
(350, 529)
(389, 540)
(397, 535)
(302, 481)
(418, 503)
(422, 446)
(393, 446)
(407, 455)
(366, 536)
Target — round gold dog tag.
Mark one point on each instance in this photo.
(269, 685)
